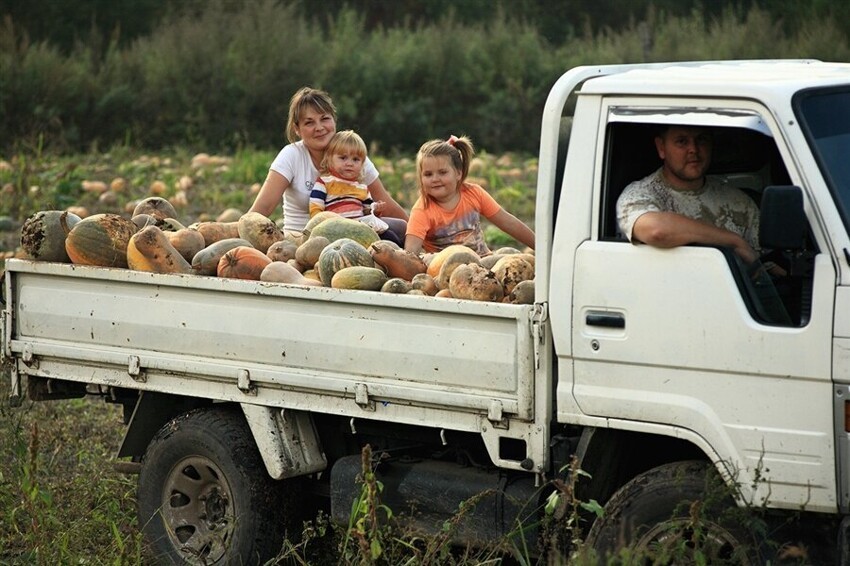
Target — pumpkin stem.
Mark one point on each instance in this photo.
(63, 222)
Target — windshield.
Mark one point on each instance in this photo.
(825, 117)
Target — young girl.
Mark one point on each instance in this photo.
(339, 187)
(310, 125)
(449, 209)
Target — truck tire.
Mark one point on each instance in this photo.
(675, 514)
(204, 496)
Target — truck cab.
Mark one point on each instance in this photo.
(688, 348)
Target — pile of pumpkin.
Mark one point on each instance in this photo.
(332, 251)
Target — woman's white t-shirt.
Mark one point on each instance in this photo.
(294, 163)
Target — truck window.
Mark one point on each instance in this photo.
(743, 158)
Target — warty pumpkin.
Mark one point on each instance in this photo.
(258, 229)
(43, 235)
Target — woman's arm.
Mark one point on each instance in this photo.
(391, 207)
(513, 227)
(270, 194)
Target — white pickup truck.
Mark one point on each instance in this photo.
(244, 400)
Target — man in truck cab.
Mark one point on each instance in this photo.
(679, 205)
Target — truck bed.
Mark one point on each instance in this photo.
(346, 352)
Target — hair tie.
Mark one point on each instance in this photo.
(451, 141)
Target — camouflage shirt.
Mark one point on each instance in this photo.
(715, 203)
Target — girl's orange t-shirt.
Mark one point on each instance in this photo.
(440, 228)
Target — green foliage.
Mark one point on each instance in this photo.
(219, 75)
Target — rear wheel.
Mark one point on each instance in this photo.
(679, 513)
(204, 495)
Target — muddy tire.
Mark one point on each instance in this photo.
(204, 496)
(679, 513)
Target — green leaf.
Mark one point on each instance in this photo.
(376, 549)
(592, 506)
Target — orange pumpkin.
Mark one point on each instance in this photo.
(243, 262)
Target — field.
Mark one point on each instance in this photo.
(61, 501)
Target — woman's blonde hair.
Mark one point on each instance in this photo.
(459, 151)
(307, 97)
(346, 140)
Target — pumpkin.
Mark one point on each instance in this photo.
(490, 260)
(149, 249)
(317, 219)
(340, 254)
(216, 231)
(282, 272)
(242, 262)
(507, 250)
(417, 292)
(43, 235)
(359, 277)
(187, 242)
(396, 262)
(205, 262)
(512, 269)
(307, 254)
(100, 240)
(425, 283)
(258, 229)
(437, 260)
(284, 250)
(475, 282)
(337, 228)
(143, 220)
(523, 293)
(396, 285)
(157, 207)
(170, 224)
(444, 294)
(312, 274)
(457, 258)
(294, 263)
(229, 215)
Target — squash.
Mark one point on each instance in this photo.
(149, 249)
(337, 228)
(242, 262)
(475, 282)
(100, 240)
(312, 274)
(282, 272)
(229, 215)
(523, 293)
(425, 283)
(258, 229)
(317, 219)
(205, 262)
(490, 260)
(507, 250)
(444, 294)
(187, 242)
(340, 254)
(417, 292)
(157, 207)
(512, 269)
(170, 225)
(143, 220)
(307, 254)
(43, 235)
(396, 262)
(284, 250)
(437, 260)
(457, 258)
(359, 277)
(294, 263)
(396, 285)
(216, 231)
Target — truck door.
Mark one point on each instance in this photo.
(673, 341)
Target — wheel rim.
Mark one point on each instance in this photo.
(680, 541)
(197, 510)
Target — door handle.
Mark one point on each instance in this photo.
(608, 320)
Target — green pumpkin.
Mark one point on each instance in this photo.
(344, 252)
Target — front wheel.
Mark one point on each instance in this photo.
(678, 513)
(204, 496)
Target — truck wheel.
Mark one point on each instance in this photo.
(678, 513)
(204, 496)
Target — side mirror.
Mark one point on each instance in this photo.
(783, 224)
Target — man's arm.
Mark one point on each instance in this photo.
(668, 230)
